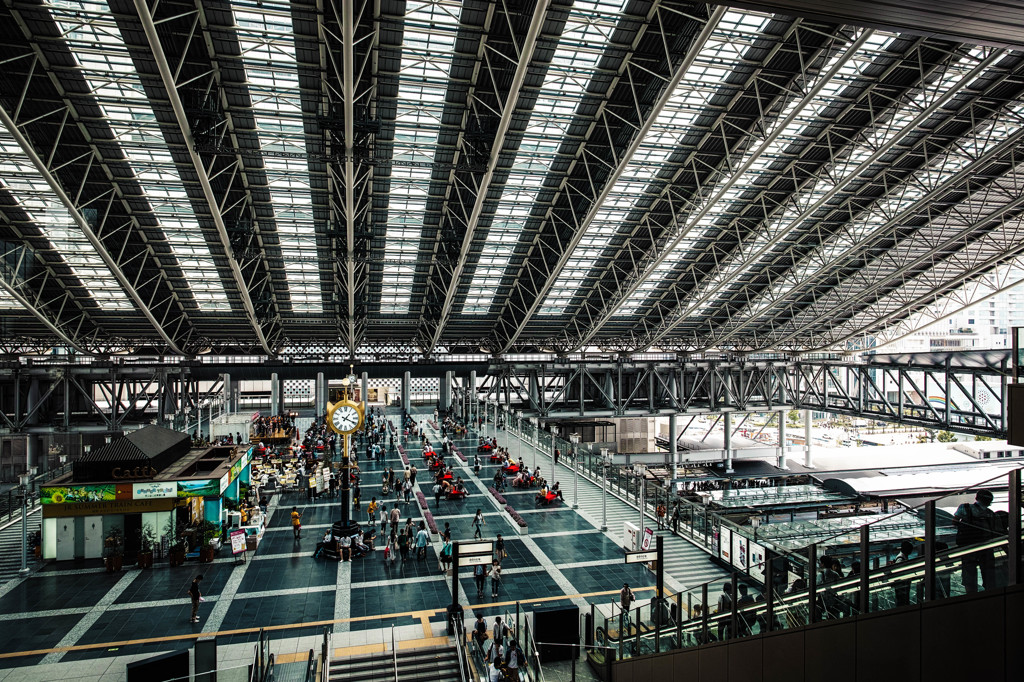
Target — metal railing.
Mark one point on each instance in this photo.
(325, 655)
(460, 636)
(310, 675)
(394, 653)
(808, 585)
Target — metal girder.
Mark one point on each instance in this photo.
(647, 263)
(650, 334)
(537, 294)
(348, 181)
(432, 327)
(895, 391)
(860, 237)
(174, 98)
(995, 235)
(43, 168)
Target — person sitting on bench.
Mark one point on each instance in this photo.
(556, 491)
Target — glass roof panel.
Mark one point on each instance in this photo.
(722, 51)
(107, 67)
(573, 64)
(428, 41)
(268, 55)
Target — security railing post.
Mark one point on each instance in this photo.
(1013, 536)
(812, 583)
(929, 550)
(864, 589)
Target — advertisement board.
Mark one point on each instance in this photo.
(725, 545)
(157, 490)
(757, 559)
(73, 494)
(237, 542)
(202, 488)
(739, 551)
(646, 544)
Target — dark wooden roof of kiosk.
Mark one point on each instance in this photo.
(151, 448)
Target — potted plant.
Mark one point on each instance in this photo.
(208, 531)
(113, 550)
(177, 551)
(147, 539)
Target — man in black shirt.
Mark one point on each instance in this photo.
(196, 596)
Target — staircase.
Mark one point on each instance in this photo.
(10, 546)
(436, 664)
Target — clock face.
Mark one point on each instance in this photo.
(345, 418)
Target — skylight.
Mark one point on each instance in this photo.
(106, 65)
(573, 64)
(268, 54)
(428, 42)
(716, 59)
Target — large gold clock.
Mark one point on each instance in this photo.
(345, 416)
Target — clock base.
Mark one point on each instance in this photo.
(341, 528)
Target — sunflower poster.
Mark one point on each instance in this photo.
(78, 493)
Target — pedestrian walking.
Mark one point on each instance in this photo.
(196, 596)
(480, 576)
(296, 523)
(437, 495)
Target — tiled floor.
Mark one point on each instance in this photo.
(282, 585)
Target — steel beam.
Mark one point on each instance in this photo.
(348, 96)
(660, 251)
(153, 38)
(523, 65)
(692, 304)
(663, 99)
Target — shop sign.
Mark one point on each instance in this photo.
(225, 481)
(155, 490)
(204, 488)
(76, 494)
(128, 473)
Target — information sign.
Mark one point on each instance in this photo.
(640, 557)
(474, 559)
(468, 548)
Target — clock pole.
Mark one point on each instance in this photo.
(346, 526)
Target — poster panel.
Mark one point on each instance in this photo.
(725, 544)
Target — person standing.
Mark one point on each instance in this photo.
(437, 495)
(371, 513)
(412, 474)
(495, 576)
(296, 522)
(478, 520)
(975, 524)
(196, 595)
(499, 549)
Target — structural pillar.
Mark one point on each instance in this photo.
(446, 393)
(782, 440)
(321, 394)
(275, 395)
(471, 396)
(365, 388)
(808, 462)
(407, 391)
(226, 393)
(673, 444)
(727, 431)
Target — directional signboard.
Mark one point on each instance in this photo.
(641, 557)
(474, 560)
(468, 548)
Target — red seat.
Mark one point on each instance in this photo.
(495, 458)
(512, 469)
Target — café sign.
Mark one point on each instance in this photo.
(154, 491)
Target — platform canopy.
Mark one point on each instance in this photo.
(445, 177)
